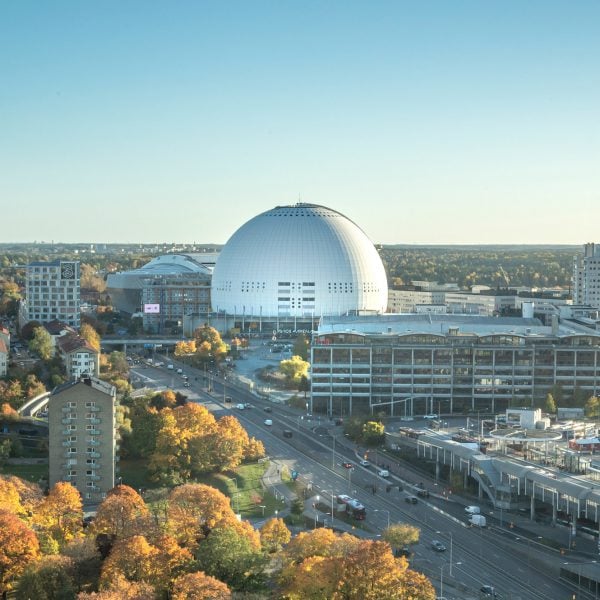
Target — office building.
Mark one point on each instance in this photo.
(586, 276)
(449, 364)
(83, 437)
(52, 292)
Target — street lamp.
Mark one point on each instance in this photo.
(332, 494)
(388, 517)
(442, 577)
(451, 544)
(317, 498)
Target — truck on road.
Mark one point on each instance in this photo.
(478, 520)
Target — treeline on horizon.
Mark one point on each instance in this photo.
(498, 266)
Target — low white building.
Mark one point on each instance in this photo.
(80, 358)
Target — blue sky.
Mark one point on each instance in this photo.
(423, 122)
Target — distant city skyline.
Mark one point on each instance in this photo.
(431, 123)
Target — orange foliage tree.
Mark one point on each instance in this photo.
(372, 573)
(10, 500)
(194, 509)
(274, 534)
(199, 586)
(18, 547)
(122, 513)
(60, 514)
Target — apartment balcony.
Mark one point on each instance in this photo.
(93, 408)
(92, 443)
(69, 431)
(67, 420)
(93, 454)
(94, 421)
(69, 455)
(68, 444)
(66, 409)
(92, 431)
(94, 477)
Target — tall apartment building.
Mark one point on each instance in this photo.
(53, 292)
(586, 276)
(83, 437)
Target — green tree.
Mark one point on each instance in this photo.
(118, 363)
(50, 578)
(301, 346)
(231, 556)
(41, 343)
(304, 385)
(592, 408)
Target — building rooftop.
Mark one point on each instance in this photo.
(441, 324)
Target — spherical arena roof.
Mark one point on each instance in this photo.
(299, 261)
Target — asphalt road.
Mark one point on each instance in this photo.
(517, 569)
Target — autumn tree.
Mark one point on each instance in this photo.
(372, 573)
(254, 450)
(194, 510)
(10, 500)
(315, 578)
(59, 516)
(209, 344)
(274, 535)
(88, 333)
(50, 578)
(185, 348)
(550, 405)
(28, 329)
(133, 558)
(199, 586)
(137, 560)
(372, 433)
(294, 369)
(41, 343)
(401, 534)
(18, 547)
(121, 589)
(122, 513)
(90, 280)
(12, 392)
(33, 386)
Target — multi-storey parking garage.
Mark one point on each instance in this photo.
(420, 364)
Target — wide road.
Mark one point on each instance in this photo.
(517, 569)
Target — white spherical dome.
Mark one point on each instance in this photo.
(299, 261)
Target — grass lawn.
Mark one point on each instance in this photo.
(28, 472)
(243, 486)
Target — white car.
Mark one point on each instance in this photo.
(472, 510)
(383, 473)
(268, 422)
(365, 463)
(430, 417)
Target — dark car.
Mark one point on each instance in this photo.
(227, 398)
(268, 409)
(404, 551)
(411, 499)
(488, 591)
(438, 546)
(423, 493)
